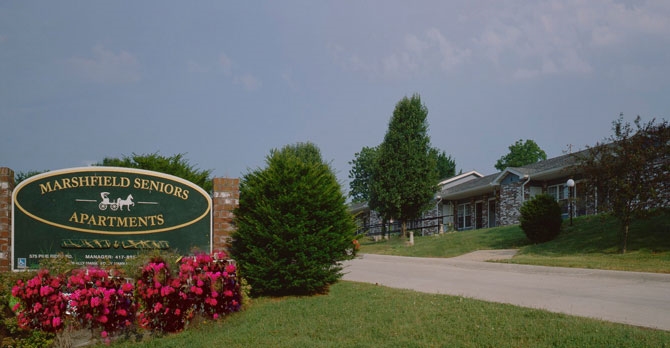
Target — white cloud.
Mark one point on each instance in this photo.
(287, 77)
(195, 67)
(427, 53)
(105, 66)
(249, 82)
(226, 64)
(416, 55)
(450, 55)
(519, 40)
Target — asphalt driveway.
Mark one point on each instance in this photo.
(634, 298)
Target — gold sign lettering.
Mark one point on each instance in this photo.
(159, 186)
(117, 221)
(84, 181)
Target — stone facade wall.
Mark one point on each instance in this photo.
(6, 189)
(510, 202)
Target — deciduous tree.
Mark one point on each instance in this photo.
(176, 165)
(520, 154)
(446, 166)
(360, 174)
(630, 170)
(404, 181)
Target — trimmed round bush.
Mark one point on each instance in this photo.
(541, 218)
(293, 225)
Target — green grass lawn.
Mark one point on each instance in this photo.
(449, 244)
(365, 315)
(592, 242)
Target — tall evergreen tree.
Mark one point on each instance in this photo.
(404, 181)
(293, 226)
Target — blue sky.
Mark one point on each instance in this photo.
(227, 81)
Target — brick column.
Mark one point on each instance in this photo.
(6, 189)
(225, 198)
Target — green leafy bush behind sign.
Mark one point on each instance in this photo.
(110, 213)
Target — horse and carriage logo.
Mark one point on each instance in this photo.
(115, 204)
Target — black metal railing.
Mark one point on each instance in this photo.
(430, 225)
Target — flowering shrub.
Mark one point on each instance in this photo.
(211, 283)
(163, 304)
(98, 299)
(41, 305)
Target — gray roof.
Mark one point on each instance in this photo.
(548, 169)
(470, 187)
(553, 167)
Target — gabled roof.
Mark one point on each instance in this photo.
(461, 178)
(543, 170)
(473, 183)
(470, 188)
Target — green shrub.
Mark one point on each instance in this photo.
(541, 218)
(293, 226)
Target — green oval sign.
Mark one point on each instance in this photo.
(108, 208)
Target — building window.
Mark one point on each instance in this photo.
(464, 216)
(559, 192)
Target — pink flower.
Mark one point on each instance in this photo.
(56, 321)
(103, 334)
(166, 290)
(127, 287)
(122, 312)
(103, 319)
(45, 291)
(95, 301)
(228, 293)
(215, 316)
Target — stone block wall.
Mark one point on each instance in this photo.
(225, 198)
(510, 200)
(6, 189)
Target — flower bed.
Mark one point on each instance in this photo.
(105, 301)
